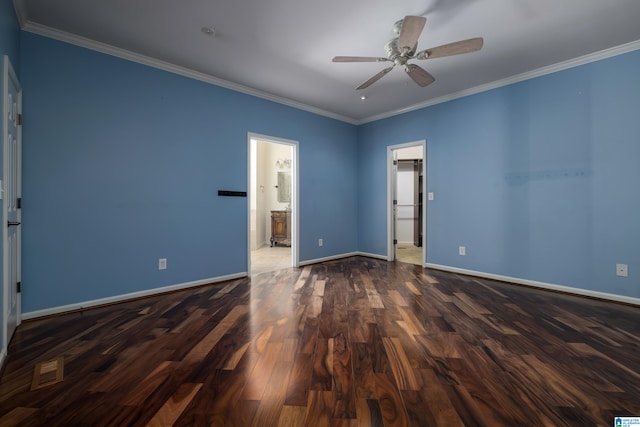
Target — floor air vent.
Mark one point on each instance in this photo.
(48, 373)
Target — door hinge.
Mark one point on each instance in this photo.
(19, 203)
(395, 202)
(19, 119)
(395, 163)
(18, 287)
(395, 241)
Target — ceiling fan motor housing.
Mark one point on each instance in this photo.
(394, 54)
(392, 49)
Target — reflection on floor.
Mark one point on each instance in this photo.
(409, 253)
(270, 258)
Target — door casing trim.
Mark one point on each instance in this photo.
(295, 193)
(390, 149)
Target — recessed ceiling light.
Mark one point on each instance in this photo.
(363, 97)
(208, 31)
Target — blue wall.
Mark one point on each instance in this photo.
(122, 164)
(539, 180)
(9, 33)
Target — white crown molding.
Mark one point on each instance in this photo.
(560, 66)
(63, 36)
(172, 68)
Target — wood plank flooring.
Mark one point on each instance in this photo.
(354, 342)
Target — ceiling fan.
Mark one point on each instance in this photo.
(402, 48)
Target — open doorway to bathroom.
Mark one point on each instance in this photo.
(272, 204)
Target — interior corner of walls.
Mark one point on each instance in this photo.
(20, 8)
(372, 255)
(328, 258)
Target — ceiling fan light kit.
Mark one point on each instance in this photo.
(403, 48)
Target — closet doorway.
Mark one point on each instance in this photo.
(407, 213)
(273, 202)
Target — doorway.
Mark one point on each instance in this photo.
(273, 202)
(407, 213)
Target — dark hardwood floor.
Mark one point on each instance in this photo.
(355, 342)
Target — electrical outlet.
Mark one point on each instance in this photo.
(622, 270)
(320, 242)
(462, 251)
(162, 264)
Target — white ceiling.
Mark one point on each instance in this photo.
(282, 49)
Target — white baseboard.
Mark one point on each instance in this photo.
(536, 284)
(150, 292)
(125, 297)
(340, 256)
(377, 256)
(329, 258)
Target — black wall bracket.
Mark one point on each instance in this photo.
(232, 193)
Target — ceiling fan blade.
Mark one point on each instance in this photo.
(455, 48)
(358, 59)
(375, 78)
(412, 27)
(419, 75)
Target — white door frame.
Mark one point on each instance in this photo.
(8, 74)
(295, 255)
(390, 190)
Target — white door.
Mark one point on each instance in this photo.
(12, 188)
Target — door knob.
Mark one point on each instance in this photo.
(10, 223)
